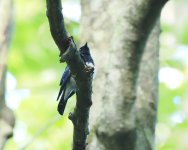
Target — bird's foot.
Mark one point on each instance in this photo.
(88, 69)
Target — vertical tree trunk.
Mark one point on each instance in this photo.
(6, 115)
(147, 93)
(125, 45)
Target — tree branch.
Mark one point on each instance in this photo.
(147, 93)
(7, 119)
(71, 56)
(124, 28)
(56, 21)
(141, 18)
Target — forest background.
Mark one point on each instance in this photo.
(34, 72)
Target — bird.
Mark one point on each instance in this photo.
(67, 89)
(86, 56)
(67, 83)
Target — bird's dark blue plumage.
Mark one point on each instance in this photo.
(65, 77)
(67, 89)
(86, 56)
(67, 83)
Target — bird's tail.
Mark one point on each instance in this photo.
(61, 107)
(60, 91)
(63, 102)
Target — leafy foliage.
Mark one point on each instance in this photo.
(172, 120)
(33, 60)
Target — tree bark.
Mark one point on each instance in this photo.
(7, 119)
(147, 93)
(79, 71)
(125, 46)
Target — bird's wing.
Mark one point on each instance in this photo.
(68, 91)
(60, 91)
(65, 78)
(63, 102)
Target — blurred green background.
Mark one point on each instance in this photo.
(35, 71)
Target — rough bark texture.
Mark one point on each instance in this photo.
(125, 89)
(5, 31)
(79, 71)
(7, 119)
(147, 93)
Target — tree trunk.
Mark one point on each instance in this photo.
(6, 115)
(147, 93)
(124, 39)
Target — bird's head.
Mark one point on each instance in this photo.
(85, 50)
